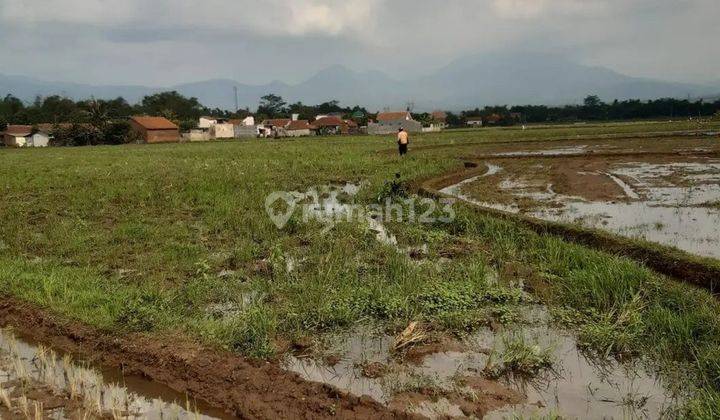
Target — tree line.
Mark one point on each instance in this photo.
(103, 121)
(592, 109)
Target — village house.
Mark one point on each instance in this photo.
(474, 121)
(276, 122)
(243, 127)
(197, 134)
(353, 127)
(331, 125)
(274, 127)
(222, 130)
(391, 122)
(298, 128)
(218, 128)
(155, 129)
(207, 122)
(439, 118)
(24, 136)
(438, 122)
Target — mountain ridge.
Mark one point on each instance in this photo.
(467, 82)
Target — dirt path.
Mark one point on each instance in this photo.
(244, 388)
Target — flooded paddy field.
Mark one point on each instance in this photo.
(668, 195)
(167, 261)
(532, 369)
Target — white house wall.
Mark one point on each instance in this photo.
(224, 131)
(298, 133)
(206, 123)
(39, 140)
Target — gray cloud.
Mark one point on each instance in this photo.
(163, 42)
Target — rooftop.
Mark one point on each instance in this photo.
(298, 125)
(329, 122)
(154, 123)
(18, 130)
(393, 116)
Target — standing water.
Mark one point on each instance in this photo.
(36, 382)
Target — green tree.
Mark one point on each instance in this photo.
(172, 104)
(10, 106)
(271, 105)
(117, 132)
(592, 101)
(98, 114)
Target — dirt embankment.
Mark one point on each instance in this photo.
(244, 388)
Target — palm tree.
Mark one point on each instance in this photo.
(97, 113)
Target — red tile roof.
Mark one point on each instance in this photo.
(298, 125)
(392, 116)
(277, 122)
(329, 122)
(439, 116)
(18, 130)
(154, 123)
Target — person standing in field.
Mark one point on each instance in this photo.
(403, 141)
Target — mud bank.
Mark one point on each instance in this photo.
(38, 382)
(242, 388)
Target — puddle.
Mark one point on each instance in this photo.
(676, 204)
(575, 150)
(578, 388)
(367, 346)
(692, 229)
(59, 388)
(364, 346)
(574, 387)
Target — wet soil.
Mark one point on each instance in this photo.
(661, 141)
(244, 388)
(586, 177)
(455, 378)
(585, 180)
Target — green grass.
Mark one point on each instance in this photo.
(519, 356)
(135, 238)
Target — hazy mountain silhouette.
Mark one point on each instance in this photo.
(472, 81)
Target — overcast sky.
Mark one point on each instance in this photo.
(163, 42)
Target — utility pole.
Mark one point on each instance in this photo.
(237, 107)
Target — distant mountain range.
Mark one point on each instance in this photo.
(475, 81)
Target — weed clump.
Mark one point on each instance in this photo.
(252, 333)
(395, 188)
(521, 358)
(142, 313)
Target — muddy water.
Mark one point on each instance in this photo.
(574, 387)
(85, 391)
(673, 204)
(562, 151)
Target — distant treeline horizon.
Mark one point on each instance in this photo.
(186, 111)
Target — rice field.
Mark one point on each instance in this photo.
(177, 242)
